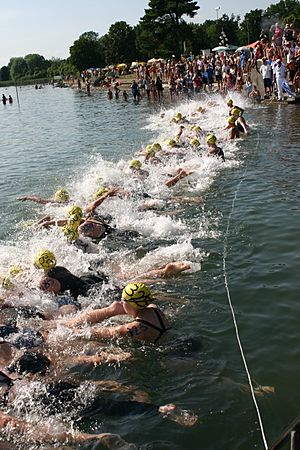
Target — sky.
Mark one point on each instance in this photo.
(50, 27)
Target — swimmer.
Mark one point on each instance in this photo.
(181, 173)
(59, 280)
(137, 171)
(45, 433)
(60, 196)
(125, 96)
(238, 112)
(213, 149)
(57, 395)
(109, 94)
(234, 131)
(149, 323)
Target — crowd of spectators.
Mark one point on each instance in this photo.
(276, 54)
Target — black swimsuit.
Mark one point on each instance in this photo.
(162, 329)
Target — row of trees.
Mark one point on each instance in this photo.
(161, 32)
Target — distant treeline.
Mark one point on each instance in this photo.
(161, 32)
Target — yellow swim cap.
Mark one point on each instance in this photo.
(137, 295)
(196, 129)
(100, 192)
(45, 259)
(178, 116)
(75, 211)
(156, 147)
(62, 196)
(5, 282)
(194, 142)
(231, 119)
(74, 221)
(15, 270)
(230, 102)
(135, 164)
(235, 111)
(211, 139)
(70, 233)
(172, 143)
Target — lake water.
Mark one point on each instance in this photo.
(62, 138)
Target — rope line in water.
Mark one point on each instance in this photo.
(233, 312)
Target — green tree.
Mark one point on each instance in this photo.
(87, 51)
(251, 26)
(162, 30)
(37, 65)
(18, 68)
(4, 73)
(283, 9)
(119, 43)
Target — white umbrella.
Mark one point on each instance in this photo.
(152, 60)
(220, 49)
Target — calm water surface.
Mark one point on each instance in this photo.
(54, 139)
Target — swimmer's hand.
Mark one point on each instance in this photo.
(117, 308)
(181, 416)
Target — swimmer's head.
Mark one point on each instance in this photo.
(137, 295)
(235, 111)
(230, 102)
(45, 259)
(5, 282)
(62, 196)
(172, 143)
(70, 232)
(194, 142)
(211, 139)
(231, 120)
(49, 284)
(31, 362)
(15, 270)
(92, 229)
(135, 164)
(178, 116)
(101, 191)
(75, 210)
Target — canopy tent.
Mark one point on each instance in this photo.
(220, 49)
(121, 65)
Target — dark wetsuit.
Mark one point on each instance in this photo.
(217, 152)
(76, 285)
(21, 337)
(162, 329)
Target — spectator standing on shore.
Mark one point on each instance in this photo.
(266, 72)
(279, 71)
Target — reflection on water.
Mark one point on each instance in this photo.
(62, 138)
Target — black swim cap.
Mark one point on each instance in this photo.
(31, 362)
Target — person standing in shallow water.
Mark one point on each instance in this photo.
(10, 99)
(4, 99)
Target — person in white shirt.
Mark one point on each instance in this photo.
(266, 72)
(279, 72)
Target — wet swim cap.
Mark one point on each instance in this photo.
(137, 295)
(235, 111)
(194, 142)
(75, 210)
(231, 119)
(62, 196)
(172, 143)
(14, 270)
(156, 147)
(230, 102)
(100, 192)
(196, 129)
(45, 259)
(70, 233)
(211, 139)
(135, 164)
(5, 282)
(74, 221)
(178, 116)
(150, 150)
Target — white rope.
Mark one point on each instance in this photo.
(233, 313)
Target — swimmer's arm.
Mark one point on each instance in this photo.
(179, 176)
(92, 206)
(101, 357)
(36, 199)
(96, 315)
(45, 433)
(58, 223)
(135, 330)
